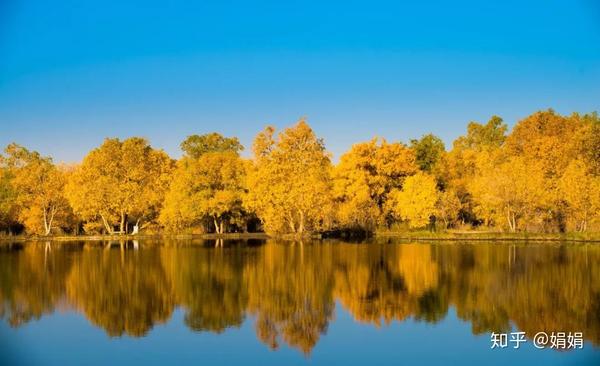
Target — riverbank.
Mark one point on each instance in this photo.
(489, 236)
(401, 235)
(79, 238)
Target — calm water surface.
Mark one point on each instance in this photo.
(286, 303)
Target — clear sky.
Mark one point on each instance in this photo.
(74, 72)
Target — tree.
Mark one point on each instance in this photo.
(448, 206)
(289, 186)
(588, 142)
(209, 187)
(428, 151)
(490, 135)
(547, 138)
(549, 141)
(38, 189)
(416, 201)
(7, 198)
(194, 146)
(581, 191)
(120, 179)
(465, 160)
(364, 178)
(511, 191)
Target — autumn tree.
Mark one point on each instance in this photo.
(546, 138)
(7, 199)
(9, 161)
(195, 146)
(428, 151)
(465, 160)
(512, 192)
(448, 206)
(209, 187)
(365, 177)
(548, 142)
(581, 191)
(118, 180)
(587, 142)
(38, 189)
(416, 201)
(479, 136)
(289, 183)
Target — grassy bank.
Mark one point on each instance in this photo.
(490, 236)
(400, 235)
(78, 238)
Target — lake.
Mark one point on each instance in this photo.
(259, 302)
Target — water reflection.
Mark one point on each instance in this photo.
(290, 289)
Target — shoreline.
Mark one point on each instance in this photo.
(492, 236)
(416, 236)
(79, 238)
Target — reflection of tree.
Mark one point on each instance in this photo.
(555, 290)
(121, 291)
(31, 282)
(209, 284)
(290, 288)
(536, 288)
(290, 292)
(471, 280)
(388, 282)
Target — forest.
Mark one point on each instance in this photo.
(541, 176)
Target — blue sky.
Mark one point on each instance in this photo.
(74, 72)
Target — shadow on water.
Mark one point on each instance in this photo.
(291, 288)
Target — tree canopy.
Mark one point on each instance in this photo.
(541, 176)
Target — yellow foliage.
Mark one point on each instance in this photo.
(120, 179)
(541, 177)
(289, 186)
(581, 191)
(448, 206)
(364, 178)
(416, 202)
(208, 188)
(512, 192)
(38, 185)
(546, 138)
(418, 269)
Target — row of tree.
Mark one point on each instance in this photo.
(543, 176)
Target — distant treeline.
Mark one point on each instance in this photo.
(543, 176)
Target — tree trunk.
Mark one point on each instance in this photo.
(106, 225)
(48, 221)
(511, 220)
(216, 226)
(291, 223)
(301, 224)
(514, 222)
(51, 220)
(122, 224)
(46, 229)
(222, 227)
